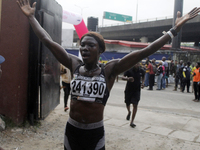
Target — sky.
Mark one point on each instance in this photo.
(140, 10)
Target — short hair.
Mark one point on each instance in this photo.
(98, 37)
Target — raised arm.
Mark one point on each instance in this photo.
(129, 60)
(59, 52)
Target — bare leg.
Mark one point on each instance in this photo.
(129, 112)
(133, 115)
(166, 82)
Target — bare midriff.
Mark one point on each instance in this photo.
(86, 112)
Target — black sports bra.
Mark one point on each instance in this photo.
(89, 89)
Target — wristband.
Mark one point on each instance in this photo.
(173, 32)
(170, 34)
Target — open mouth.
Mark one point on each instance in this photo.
(84, 56)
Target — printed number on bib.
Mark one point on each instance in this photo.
(88, 89)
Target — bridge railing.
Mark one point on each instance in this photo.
(135, 22)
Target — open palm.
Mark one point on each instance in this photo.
(26, 8)
(180, 21)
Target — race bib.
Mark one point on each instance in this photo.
(88, 90)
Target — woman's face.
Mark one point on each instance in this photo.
(89, 49)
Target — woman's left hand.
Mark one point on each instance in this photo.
(180, 21)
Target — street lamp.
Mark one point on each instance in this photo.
(136, 10)
(81, 8)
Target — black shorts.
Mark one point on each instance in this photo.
(80, 136)
(132, 98)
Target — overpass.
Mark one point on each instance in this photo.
(150, 30)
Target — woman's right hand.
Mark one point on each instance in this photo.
(26, 8)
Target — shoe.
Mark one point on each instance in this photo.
(196, 100)
(188, 91)
(149, 89)
(66, 108)
(128, 116)
(132, 125)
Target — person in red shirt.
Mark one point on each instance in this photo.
(151, 74)
(196, 80)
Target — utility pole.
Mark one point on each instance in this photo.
(176, 41)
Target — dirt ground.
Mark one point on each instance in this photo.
(48, 136)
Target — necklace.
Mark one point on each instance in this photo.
(91, 71)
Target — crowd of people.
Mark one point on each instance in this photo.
(185, 74)
(159, 69)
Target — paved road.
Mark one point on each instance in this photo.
(166, 120)
(167, 100)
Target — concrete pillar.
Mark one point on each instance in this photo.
(178, 6)
(144, 39)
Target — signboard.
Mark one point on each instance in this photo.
(117, 17)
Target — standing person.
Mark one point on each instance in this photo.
(173, 68)
(159, 75)
(196, 80)
(92, 83)
(178, 75)
(166, 73)
(2, 59)
(188, 77)
(66, 79)
(146, 82)
(132, 91)
(193, 67)
(151, 74)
